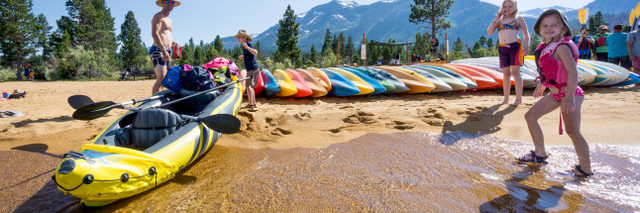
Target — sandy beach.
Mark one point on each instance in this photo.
(34, 142)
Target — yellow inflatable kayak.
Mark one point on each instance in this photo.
(134, 155)
(364, 87)
(287, 88)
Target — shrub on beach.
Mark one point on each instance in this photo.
(80, 63)
(7, 74)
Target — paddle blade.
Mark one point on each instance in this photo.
(223, 123)
(78, 101)
(582, 15)
(93, 111)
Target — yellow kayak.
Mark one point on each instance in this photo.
(364, 87)
(287, 88)
(134, 155)
(420, 84)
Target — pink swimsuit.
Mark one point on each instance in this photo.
(552, 71)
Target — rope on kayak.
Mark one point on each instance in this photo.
(68, 190)
(152, 171)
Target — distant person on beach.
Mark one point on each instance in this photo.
(556, 58)
(602, 50)
(633, 46)
(28, 74)
(585, 43)
(511, 50)
(161, 27)
(251, 64)
(617, 42)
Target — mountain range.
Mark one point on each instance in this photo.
(388, 19)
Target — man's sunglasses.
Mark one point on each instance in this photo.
(169, 2)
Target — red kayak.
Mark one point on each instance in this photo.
(259, 84)
(303, 89)
(483, 81)
(489, 72)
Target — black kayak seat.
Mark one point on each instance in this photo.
(196, 104)
(152, 125)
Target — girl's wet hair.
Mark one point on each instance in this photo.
(559, 16)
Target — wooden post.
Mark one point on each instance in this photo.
(364, 44)
(446, 43)
(338, 55)
(407, 56)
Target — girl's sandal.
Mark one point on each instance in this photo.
(579, 170)
(533, 158)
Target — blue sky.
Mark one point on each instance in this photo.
(204, 19)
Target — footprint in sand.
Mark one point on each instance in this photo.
(361, 117)
(401, 125)
(279, 121)
(336, 130)
(433, 121)
(302, 116)
(280, 132)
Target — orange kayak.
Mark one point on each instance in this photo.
(313, 82)
(483, 81)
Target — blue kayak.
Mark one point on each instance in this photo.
(340, 85)
(271, 86)
(397, 83)
(377, 86)
(633, 79)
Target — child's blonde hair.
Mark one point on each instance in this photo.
(515, 4)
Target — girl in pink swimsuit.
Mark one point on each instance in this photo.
(556, 59)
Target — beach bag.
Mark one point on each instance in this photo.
(197, 79)
(220, 76)
(220, 62)
(172, 80)
(176, 51)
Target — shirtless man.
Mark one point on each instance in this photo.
(161, 28)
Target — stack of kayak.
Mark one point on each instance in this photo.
(590, 72)
(461, 75)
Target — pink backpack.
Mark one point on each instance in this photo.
(221, 62)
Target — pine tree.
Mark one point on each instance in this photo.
(287, 34)
(218, 44)
(458, 45)
(93, 24)
(188, 53)
(133, 52)
(432, 12)
(313, 55)
(327, 42)
(258, 48)
(21, 32)
(349, 50)
(534, 43)
(595, 21)
(489, 43)
(482, 41)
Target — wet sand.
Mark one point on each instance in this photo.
(286, 139)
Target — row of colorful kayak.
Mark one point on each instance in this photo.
(590, 72)
(467, 74)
